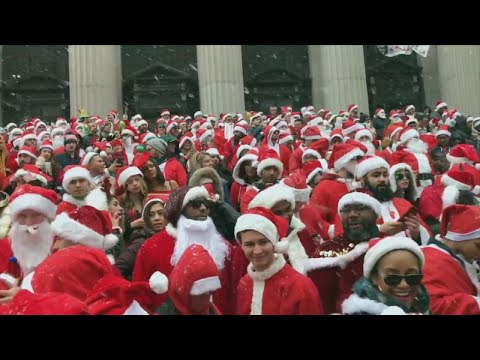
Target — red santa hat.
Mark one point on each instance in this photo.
(35, 172)
(297, 182)
(116, 142)
(86, 226)
(451, 117)
(140, 160)
(236, 170)
(443, 130)
(203, 134)
(46, 144)
(460, 222)
(440, 104)
(284, 137)
(196, 192)
(370, 163)
(183, 139)
(411, 121)
(28, 197)
(268, 158)
(171, 124)
(74, 172)
(136, 117)
(142, 122)
(310, 133)
(377, 110)
(57, 131)
(342, 154)
(28, 150)
(455, 181)
(197, 114)
(240, 128)
(10, 126)
(464, 153)
(153, 199)
(409, 107)
(272, 195)
(126, 173)
(101, 147)
(352, 107)
(393, 181)
(362, 197)
(130, 130)
(336, 133)
(408, 134)
(214, 152)
(314, 167)
(312, 152)
(256, 115)
(263, 220)
(363, 132)
(165, 112)
(88, 157)
(27, 136)
(248, 140)
(351, 126)
(377, 248)
(436, 122)
(225, 116)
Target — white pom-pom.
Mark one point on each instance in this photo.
(281, 247)
(110, 241)
(393, 310)
(158, 282)
(477, 166)
(111, 259)
(103, 154)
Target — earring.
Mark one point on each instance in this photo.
(379, 288)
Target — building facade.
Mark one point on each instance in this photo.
(57, 80)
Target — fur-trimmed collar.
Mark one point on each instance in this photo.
(296, 225)
(356, 304)
(171, 230)
(296, 252)
(276, 266)
(200, 175)
(341, 261)
(70, 199)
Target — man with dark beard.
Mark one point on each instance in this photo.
(398, 216)
(30, 237)
(187, 212)
(337, 264)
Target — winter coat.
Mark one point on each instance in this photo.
(126, 260)
(379, 124)
(65, 159)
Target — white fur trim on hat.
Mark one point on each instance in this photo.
(450, 196)
(76, 173)
(214, 152)
(443, 132)
(272, 195)
(458, 160)
(408, 135)
(195, 193)
(136, 117)
(127, 174)
(311, 152)
(33, 202)
(285, 139)
(409, 107)
(269, 162)
(240, 129)
(72, 230)
(393, 181)
(166, 112)
(462, 237)
(352, 128)
(360, 198)
(88, 157)
(409, 121)
(386, 245)
(340, 163)
(314, 173)
(449, 181)
(236, 169)
(22, 172)
(365, 166)
(241, 148)
(128, 132)
(441, 105)
(186, 138)
(300, 195)
(27, 153)
(198, 113)
(171, 126)
(206, 285)
(9, 279)
(206, 134)
(363, 132)
(142, 122)
(158, 282)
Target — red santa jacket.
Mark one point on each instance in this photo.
(327, 194)
(248, 196)
(453, 290)
(155, 255)
(237, 192)
(278, 290)
(315, 226)
(296, 159)
(468, 168)
(173, 170)
(334, 267)
(96, 198)
(9, 266)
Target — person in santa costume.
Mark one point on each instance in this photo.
(244, 175)
(95, 164)
(453, 187)
(309, 134)
(334, 185)
(78, 185)
(170, 163)
(153, 176)
(398, 215)
(269, 169)
(189, 223)
(314, 171)
(30, 237)
(466, 156)
(46, 160)
(129, 136)
(246, 143)
(391, 282)
(402, 182)
(270, 141)
(451, 272)
(191, 283)
(271, 286)
(379, 121)
(230, 147)
(70, 154)
(443, 139)
(390, 141)
(337, 264)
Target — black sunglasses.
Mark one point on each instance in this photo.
(401, 175)
(197, 203)
(395, 280)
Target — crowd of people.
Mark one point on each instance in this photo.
(284, 213)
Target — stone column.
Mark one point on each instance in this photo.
(338, 76)
(95, 78)
(431, 81)
(459, 73)
(220, 78)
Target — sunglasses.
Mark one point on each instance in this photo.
(197, 203)
(400, 176)
(395, 280)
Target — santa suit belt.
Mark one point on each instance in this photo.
(425, 176)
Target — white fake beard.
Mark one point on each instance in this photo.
(369, 146)
(128, 141)
(57, 142)
(31, 244)
(417, 146)
(381, 115)
(228, 130)
(202, 233)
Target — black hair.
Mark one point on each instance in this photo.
(160, 178)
